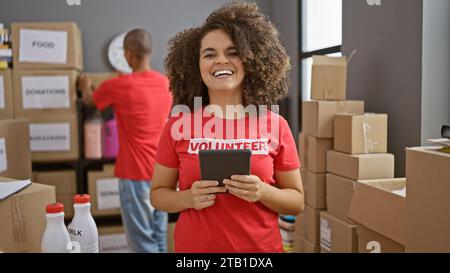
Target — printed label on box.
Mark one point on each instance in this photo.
(49, 137)
(2, 93)
(113, 243)
(43, 46)
(325, 234)
(108, 193)
(3, 158)
(46, 92)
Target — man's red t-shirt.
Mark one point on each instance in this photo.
(231, 224)
(141, 103)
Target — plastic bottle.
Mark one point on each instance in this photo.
(83, 229)
(93, 136)
(55, 239)
(110, 137)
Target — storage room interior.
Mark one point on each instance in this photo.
(367, 106)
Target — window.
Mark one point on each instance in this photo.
(321, 34)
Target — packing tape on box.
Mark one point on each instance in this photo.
(342, 107)
(368, 142)
(18, 219)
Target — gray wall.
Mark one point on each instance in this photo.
(436, 68)
(285, 15)
(101, 20)
(386, 71)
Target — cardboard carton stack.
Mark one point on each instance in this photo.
(328, 93)
(363, 214)
(47, 59)
(103, 188)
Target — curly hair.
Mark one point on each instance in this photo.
(258, 45)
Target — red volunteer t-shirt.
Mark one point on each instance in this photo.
(231, 224)
(141, 103)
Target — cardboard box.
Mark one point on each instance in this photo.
(23, 218)
(314, 187)
(317, 116)
(303, 174)
(313, 152)
(112, 239)
(47, 45)
(65, 183)
(104, 190)
(301, 245)
(6, 95)
(427, 200)
(362, 166)
(307, 225)
(339, 196)
(370, 241)
(360, 133)
(170, 238)
(377, 208)
(328, 78)
(54, 137)
(98, 78)
(44, 91)
(15, 156)
(337, 236)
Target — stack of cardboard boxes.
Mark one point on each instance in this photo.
(359, 172)
(47, 59)
(328, 98)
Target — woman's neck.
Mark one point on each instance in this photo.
(222, 99)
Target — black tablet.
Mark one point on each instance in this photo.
(222, 164)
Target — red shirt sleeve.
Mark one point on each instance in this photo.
(166, 154)
(102, 96)
(287, 156)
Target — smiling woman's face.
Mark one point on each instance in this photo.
(220, 66)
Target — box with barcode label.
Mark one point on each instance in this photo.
(6, 95)
(54, 138)
(104, 190)
(39, 92)
(47, 45)
(337, 236)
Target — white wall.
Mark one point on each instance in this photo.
(435, 68)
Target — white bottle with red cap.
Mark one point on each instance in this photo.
(55, 239)
(83, 229)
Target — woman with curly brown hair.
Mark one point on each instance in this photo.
(235, 59)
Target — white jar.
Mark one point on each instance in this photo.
(55, 239)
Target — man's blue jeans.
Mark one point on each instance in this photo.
(145, 226)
